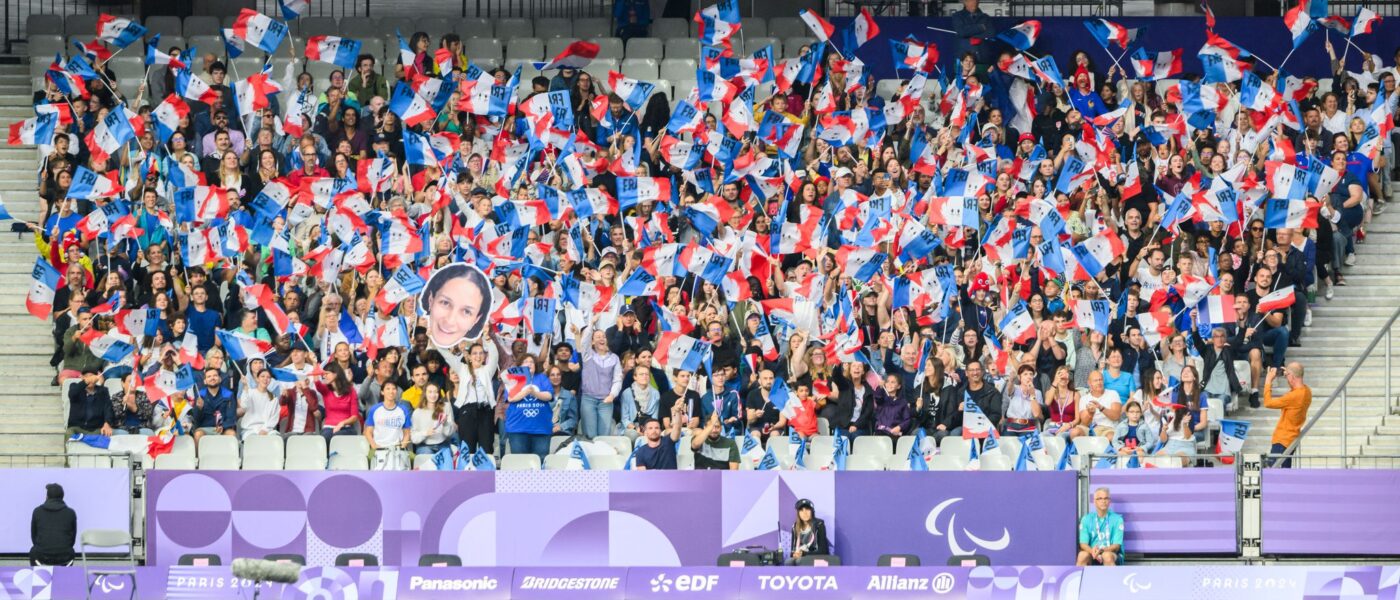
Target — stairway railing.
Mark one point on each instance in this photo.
(1341, 391)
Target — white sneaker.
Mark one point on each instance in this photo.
(1307, 318)
(1328, 294)
(1350, 260)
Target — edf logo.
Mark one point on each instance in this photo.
(684, 583)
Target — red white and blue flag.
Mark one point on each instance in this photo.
(1021, 37)
(259, 30)
(338, 51)
(117, 31)
(42, 287)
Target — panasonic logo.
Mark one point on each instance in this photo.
(570, 583)
(479, 584)
(801, 583)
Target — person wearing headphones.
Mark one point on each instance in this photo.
(808, 533)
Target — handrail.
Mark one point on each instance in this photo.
(1342, 385)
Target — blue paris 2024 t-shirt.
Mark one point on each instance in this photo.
(530, 414)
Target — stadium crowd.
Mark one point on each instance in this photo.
(994, 249)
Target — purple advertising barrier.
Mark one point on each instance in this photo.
(597, 518)
(1173, 511)
(1330, 511)
(562, 583)
(1016, 518)
(545, 518)
(1239, 582)
(101, 497)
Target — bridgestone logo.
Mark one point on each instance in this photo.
(570, 583)
(453, 585)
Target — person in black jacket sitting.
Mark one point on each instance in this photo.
(90, 405)
(950, 406)
(808, 533)
(1218, 356)
(52, 530)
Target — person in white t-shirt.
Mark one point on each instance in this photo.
(258, 409)
(1103, 406)
(388, 424)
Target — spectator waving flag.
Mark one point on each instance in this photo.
(44, 284)
(718, 23)
(578, 458)
(1021, 37)
(1217, 309)
(338, 51)
(259, 30)
(1232, 434)
(154, 57)
(634, 93)
(976, 425)
(117, 31)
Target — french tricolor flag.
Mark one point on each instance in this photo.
(37, 131)
(1299, 24)
(260, 296)
(1285, 213)
(1092, 315)
(1365, 22)
(1156, 325)
(1021, 37)
(632, 190)
(1223, 62)
(784, 309)
(1285, 181)
(1096, 253)
(633, 92)
(192, 87)
(154, 56)
(338, 51)
(576, 55)
(1107, 32)
(679, 352)
(822, 29)
(718, 23)
(117, 31)
(109, 346)
(259, 30)
(44, 284)
(1218, 309)
(1017, 325)
(167, 116)
(862, 30)
(1157, 65)
(409, 106)
(241, 347)
(1278, 299)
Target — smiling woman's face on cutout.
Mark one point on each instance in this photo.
(453, 311)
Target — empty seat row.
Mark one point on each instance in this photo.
(503, 28)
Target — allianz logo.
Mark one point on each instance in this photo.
(800, 583)
(663, 583)
(941, 583)
(435, 584)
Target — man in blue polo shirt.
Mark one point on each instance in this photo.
(1100, 534)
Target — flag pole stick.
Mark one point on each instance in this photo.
(942, 30)
(1286, 57)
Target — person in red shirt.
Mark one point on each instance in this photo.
(804, 420)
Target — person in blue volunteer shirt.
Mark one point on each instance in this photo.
(388, 423)
(1100, 534)
(529, 416)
